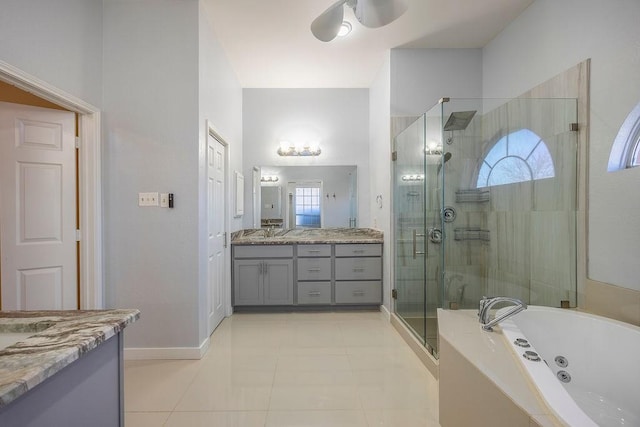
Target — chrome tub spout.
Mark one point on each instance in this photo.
(487, 303)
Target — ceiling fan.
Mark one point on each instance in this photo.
(370, 13)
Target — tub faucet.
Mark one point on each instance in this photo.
(487, 303)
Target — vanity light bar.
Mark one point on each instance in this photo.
(288, 149)
(269, 178)
(417, 177)
(293, 151)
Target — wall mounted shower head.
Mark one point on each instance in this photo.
(446, 158)
(459, 120)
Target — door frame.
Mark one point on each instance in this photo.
(89, 175)
(212, 132)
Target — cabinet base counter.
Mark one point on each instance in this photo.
(67, 372)
(336, 268)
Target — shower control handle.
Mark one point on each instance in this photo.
(415, 244)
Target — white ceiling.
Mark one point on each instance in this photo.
(269, 44)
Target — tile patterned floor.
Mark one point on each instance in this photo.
(294, 369)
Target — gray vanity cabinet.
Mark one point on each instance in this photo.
(314, 274)
(307, 274)
(358, 274)
(263, 275)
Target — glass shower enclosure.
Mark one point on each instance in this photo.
(485, 203)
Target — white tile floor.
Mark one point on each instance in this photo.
(294, 369)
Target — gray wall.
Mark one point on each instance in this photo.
(151, 144)
(420, 77)
(338, 118)
(59, 42)
(220, 102)
(379, 158)
(550, 37)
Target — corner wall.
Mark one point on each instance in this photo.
(151, 144)
(420, 77)
(220, 102)
(380, 159)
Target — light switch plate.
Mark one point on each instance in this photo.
(164, 200)
(148, 199)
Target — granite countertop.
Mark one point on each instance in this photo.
(59, 338)
(306, 236)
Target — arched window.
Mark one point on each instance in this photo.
(519, 156)
(625, 152)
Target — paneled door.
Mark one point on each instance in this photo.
(216, 201)
(37, 208)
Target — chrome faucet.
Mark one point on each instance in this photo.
(487, 303)
(269, 232)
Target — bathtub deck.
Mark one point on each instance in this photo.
(486, 374)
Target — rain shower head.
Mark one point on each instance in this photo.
(459, 120)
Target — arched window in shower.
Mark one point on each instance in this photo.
(517, 157)
(625, 152)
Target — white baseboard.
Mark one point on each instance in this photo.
(169, 353)
(386, 312)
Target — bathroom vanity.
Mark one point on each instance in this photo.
(67, 372)
(307, 268)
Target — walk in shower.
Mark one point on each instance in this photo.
(485, 203)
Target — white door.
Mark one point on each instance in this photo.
(216, 208)
(37, 208)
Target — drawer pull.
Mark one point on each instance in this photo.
(358, 293)
(313, 270)
(314, 294)
(315, 251)
(358, 251)
(358, 270)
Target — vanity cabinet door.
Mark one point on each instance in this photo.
(247, 282)
(278, 282)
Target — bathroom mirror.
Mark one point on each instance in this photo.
(308, 196)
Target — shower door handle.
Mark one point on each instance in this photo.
(415, 244)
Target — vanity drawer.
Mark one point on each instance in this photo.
(314, 293)
(314, 250)
(263, 251)
(314, 268)
(369, 249)
(358, 268)
(359, 292)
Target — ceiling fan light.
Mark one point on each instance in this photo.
(345, 29)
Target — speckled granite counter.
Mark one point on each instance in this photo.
(306, 236)
(59, 338)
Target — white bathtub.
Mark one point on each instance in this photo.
(603, 358)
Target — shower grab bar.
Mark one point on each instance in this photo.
(415, 244)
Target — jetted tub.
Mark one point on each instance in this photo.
(589, 367)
